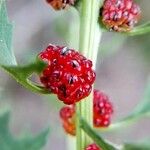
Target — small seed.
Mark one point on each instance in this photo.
(64, 51)
(75, 64)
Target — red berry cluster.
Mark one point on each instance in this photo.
(102, 109)
(67, 115)
(93, 147)
(60, 4)
(68, 74)
(120, 15)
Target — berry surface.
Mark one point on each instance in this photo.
(67, 112)
(120, 15)
(93, 147)
(68, 73)
(60, 4)
(102, 113)
(103, 109)
(67, 115)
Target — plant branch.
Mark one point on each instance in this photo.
(140, 30)
(90, 35)
(99, 140)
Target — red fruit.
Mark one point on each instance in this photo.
(70, 128)
(68, 74)
(103, 109)
(102, 112)
(93, 147)
(67, 112)
(60, 4)
(67, 115)
(120, 15)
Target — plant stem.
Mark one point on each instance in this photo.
(90, 35)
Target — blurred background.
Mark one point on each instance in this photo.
(123, 69)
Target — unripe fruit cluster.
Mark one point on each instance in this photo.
(120, 15)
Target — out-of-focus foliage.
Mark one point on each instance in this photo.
(145, 145)
(139, 30)
(7, 57)
(9, 142)
(141, 110)
(143, 42)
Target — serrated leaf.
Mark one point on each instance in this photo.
(8, 142)
(6, 55)
(95, 137)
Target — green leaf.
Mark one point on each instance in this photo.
(95, 137)
(8, 142)
(139, 30)
(6, 55)
(22, 73)
(137, 146)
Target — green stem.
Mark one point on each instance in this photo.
(139, 30)
(97, 139)
(90, 35)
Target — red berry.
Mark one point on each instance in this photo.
(120, 15)
(67, 115)
(102, 112)
(68, 74)
(70, 128)
(67, 112)
(102, 109)
(60, 4)
(93, 147)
